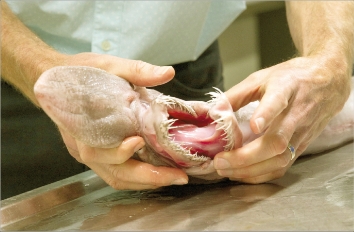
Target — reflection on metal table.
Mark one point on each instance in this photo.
(315, 194)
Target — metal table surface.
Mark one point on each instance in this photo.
(315, 194)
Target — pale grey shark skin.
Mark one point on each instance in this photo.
(101, 109)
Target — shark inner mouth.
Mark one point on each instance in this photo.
(198, 134)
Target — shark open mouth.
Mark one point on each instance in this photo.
(198, 134)
(189, 133)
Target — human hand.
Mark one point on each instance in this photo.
(115, 165)
(24, 57)
(297, 99)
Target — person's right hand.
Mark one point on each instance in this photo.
(115, 166)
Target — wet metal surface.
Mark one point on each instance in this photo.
(315, 194)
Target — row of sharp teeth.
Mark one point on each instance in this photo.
(173, 102)
(168, 124)
(178, 146)
(226, 128)
(214, 95)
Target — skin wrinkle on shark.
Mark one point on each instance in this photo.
(101, 109)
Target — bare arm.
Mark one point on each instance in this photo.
(24, 57)
(324, 28)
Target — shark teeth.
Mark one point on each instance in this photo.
(196, 157)
(215, 95)
(174, 103)
(225, 125)
(165, 126)
(223, 122)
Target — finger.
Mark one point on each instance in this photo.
(260, 149)
(115, 155)
(133, 173)
(144, 173)
(134, 186)
(135, 71)
(122, 185)
(273, 102)
(244, 92)
(141, 73)
(269, 169)
(268, 166)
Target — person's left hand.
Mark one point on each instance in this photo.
(297, 100)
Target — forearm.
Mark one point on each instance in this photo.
(324, 29)
(24, 57)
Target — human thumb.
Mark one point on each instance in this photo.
(144, 74)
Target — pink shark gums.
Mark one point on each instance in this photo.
(101, 109)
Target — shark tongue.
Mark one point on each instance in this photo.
(200, 140)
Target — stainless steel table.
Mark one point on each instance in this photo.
(315, 194)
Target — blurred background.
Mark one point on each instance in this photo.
(265, 40)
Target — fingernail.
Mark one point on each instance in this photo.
(139, 146)
(220, 163)
(159, 71)
(260, 122)
(180, 181)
